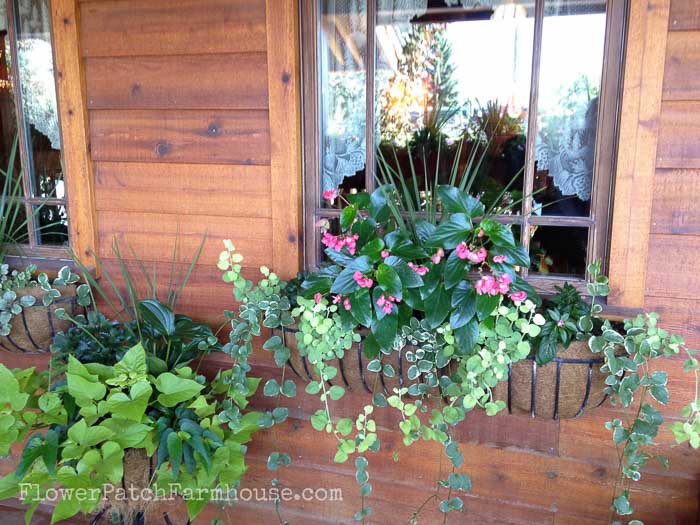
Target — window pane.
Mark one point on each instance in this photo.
(40, 114)
(52, 225)
(8, 114)
(342, 104)
(571, 65)
(447, 79)
(558, 250)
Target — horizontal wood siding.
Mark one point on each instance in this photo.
(177, 98)
(180, 96)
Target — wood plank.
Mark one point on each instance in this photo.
(152, 236)
(77, 168)
(672, 270)
(183, 189)
(682, 74)
(678, 316)
(285, 134)
(641, 105)
(675, 209)
(216, 137)
(151, 177)
(231, 81)
(679, 136)
(685, 15)
(172, 27)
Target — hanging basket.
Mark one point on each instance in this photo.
(35, 327)
(565, 388)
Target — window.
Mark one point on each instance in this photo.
(29, 117)
(403, 79)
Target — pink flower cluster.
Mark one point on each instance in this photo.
(463, 252)
(420, 270)
(386, 303)
(364, 282)
(329, 195)
(438, 256)
(346, 302)
(385, 254)
(499, 258)
(518, 297)
(490, 285)
(337, 243)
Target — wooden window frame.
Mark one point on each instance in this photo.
(599, 222)
(75, 159)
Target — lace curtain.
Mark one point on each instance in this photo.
(35, 62)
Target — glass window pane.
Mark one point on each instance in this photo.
(342, 103)
(449, 79)
(571, 65)
(38, 86)
(558, 250)
(52, 225)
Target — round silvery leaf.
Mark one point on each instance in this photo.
(16, 309)
(27, 301)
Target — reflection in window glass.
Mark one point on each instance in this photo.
(342, 78)
(28, 97)
(571, 65)
(439, 97)
(558, 250)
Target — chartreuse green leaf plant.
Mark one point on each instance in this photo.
(80, 426)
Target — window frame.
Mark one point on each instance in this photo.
(33, 249)
(599, 221)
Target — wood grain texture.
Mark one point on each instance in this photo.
(182, 189)
(682, 73)
(153, 235)
(685, 15)
(207, 137)
(641, 106)
(285, 134)
(77, 167)
(230, 81)
(171, 27)
(675, 210)
(679, 136)
(672, 270)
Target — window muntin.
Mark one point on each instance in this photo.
(556, 59)
(28, 109)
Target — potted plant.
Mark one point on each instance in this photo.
(563, 378)
(123, 406)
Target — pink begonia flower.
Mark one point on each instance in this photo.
(329, 195)
(480, 234)
(518, 297)
(488, 285)
(385, 254)
(420, 270)
(337, 243)
(438, 256)
(500, 258)
(463, 252)
(387, 303)
(362, 281)
(318, 297)
(504, 283)
(560, 322)
(337, 298)
(346, 303)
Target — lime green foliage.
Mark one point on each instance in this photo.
(99, 411)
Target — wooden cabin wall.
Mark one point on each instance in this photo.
(188, 134)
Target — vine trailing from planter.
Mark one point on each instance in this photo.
(448, 300)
